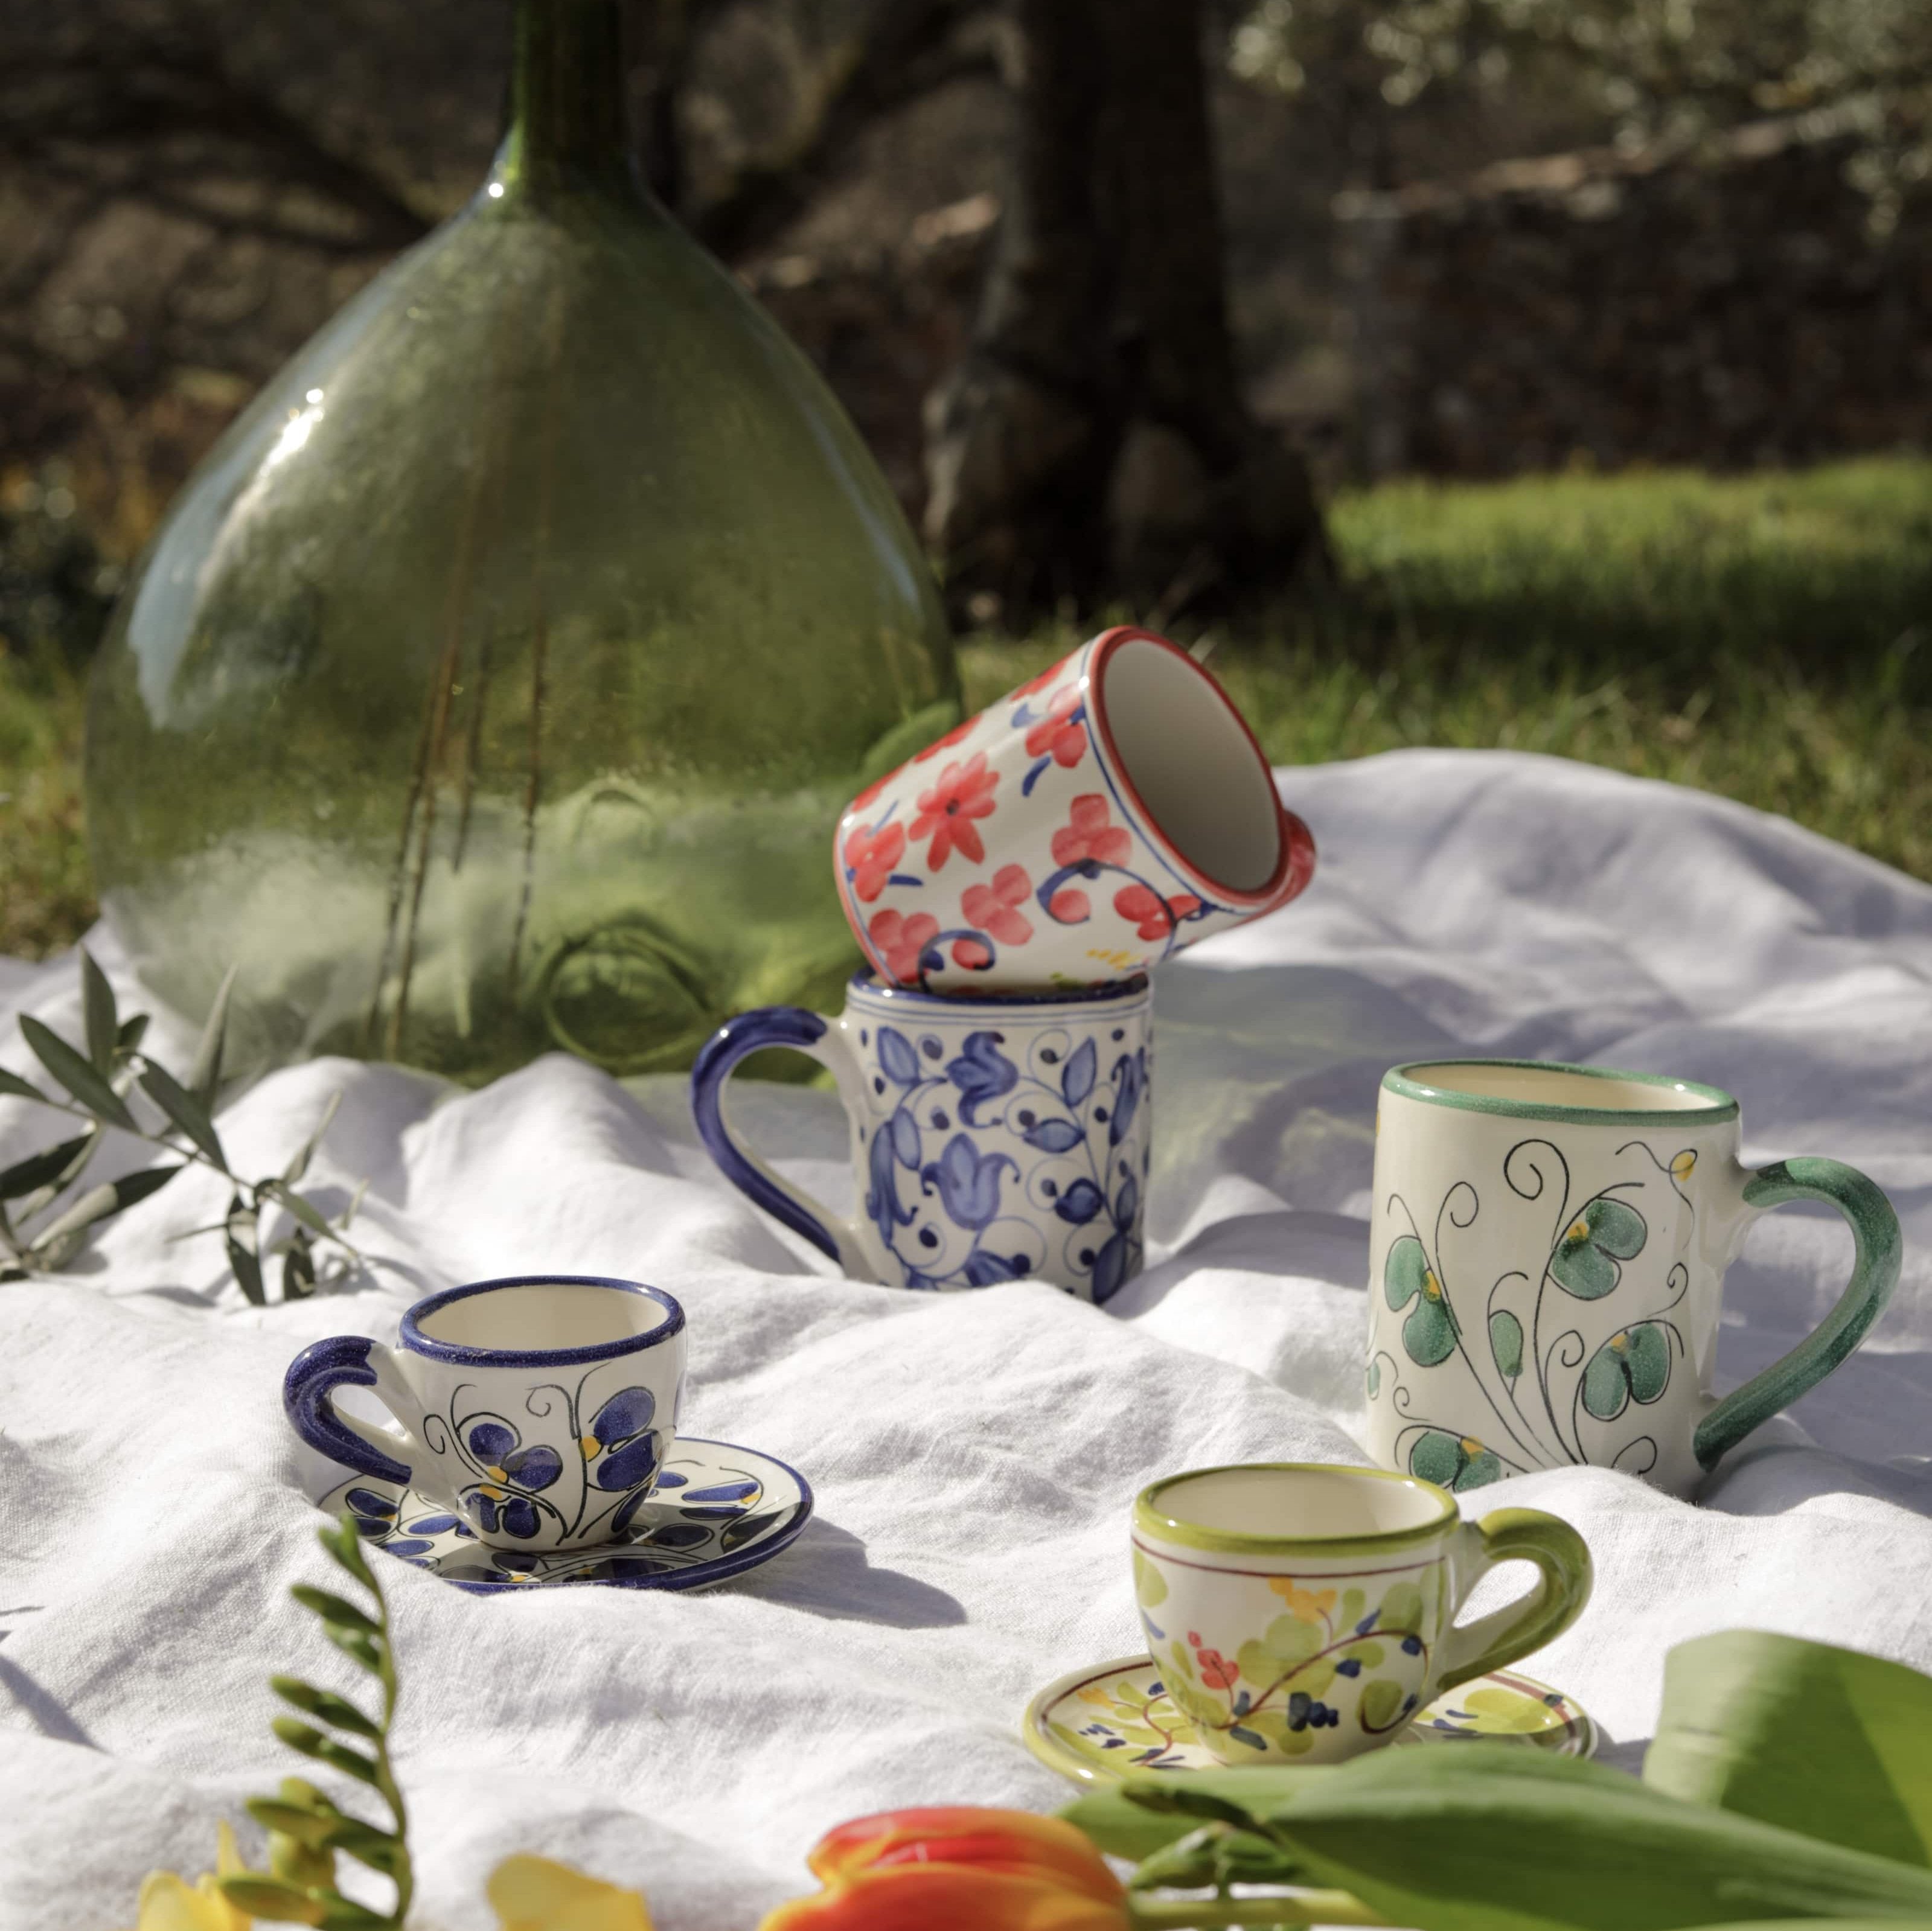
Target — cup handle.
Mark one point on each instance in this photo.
(348, 1360)
(806, 1033)
(1517, 1535)
(1874, 1274)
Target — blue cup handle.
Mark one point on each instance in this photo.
(345, 1360)
(806, 1033)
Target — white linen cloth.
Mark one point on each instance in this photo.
(974, 1454)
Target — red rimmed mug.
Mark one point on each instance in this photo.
(1091, 824)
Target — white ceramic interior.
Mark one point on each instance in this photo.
(1298, 1502)
(1189, 758)
(543, 1315)
(1552, 1086)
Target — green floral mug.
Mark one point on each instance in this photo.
(1547, 1256)
(1302, 1613)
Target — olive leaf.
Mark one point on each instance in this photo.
(77, 1073)
(308, 1829)
(102, 1021)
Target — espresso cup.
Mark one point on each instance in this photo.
(1302, 1613)
(1089, 825)
(991, 1139)
(1546, 1259)
(538, 1409)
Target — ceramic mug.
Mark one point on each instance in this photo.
(538, 1409)
(1089, 825)
(991, 1139)
(1547, 1256)
(1303, 1613)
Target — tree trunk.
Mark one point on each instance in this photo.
(1094, 443)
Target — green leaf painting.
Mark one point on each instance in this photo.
(1506, 1344)
(1454, 1462)
(1585, 1261)
(1632, 1366)
(1429, 1334)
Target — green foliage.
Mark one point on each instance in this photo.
(44, 1223)
(307, 1830)
(1788, 1780)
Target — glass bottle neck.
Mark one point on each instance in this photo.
(567, 120)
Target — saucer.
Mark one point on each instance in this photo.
(1097, 1724)
(716, 1510)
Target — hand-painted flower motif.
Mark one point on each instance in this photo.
(981, 1073)
(1061, 735)
(1632, 1366)
(621, 1450)
(994, 908)
(957, 1869)
(1454, 1462)
(1089, 837)
(1154, 915)
(902, 941)
(964, 792)
(1429, 1333)
(968, 1181)
(1585, 1261)
(502, 1502)
(870, 855)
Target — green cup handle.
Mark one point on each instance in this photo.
(1516, 1535)
(1874, 1274)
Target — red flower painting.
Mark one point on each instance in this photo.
(870, 855)
(1155, 916)
(1059, 733)
(994, 908)
(965, 792)
(900, 941)
(1088, 835)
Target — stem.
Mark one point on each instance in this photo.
(1301, 1907)
(403, 1876)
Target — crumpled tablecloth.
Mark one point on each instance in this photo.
(974, 1454)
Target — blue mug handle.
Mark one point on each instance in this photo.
(343, 1360)
(804, 1032)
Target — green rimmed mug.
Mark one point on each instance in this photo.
(1546, 1258)
(1301, 1612)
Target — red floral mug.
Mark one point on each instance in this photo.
(1084, 828)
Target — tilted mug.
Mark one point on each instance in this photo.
(1546, 1257)
(1087, 826)
(538, 1409)
(990, 1139)
(1302, 1612)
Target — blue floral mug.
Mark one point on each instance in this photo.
(992, 1139)
(538, 1409)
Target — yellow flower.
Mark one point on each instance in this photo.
(534, 1894)
(170, 1903)
(1306, 1606)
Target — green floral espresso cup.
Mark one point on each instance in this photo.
(1301, 1613)
(1546, 1255)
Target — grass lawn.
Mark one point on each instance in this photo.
(1768, 637)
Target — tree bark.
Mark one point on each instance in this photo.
(1095, 442)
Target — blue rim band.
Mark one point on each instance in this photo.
(413, 1337)
(770, 1025)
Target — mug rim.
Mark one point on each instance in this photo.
(1149, 1517)
(1103, 647)
(1403, 1082)
(869, 983)
(460, 1354)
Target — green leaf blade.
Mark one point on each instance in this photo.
(337, 1711)
(77, 1075)
(335, 1610)
(279, 1903)
(20, 1089)
(103, 1021)
(204, 1076)
(56, 1168)
(185, 1112)
(239, 1237)
(1826, 1740)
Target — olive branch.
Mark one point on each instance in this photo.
(307, 1829)
(98, 1083)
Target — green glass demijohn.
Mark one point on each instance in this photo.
(494, 685)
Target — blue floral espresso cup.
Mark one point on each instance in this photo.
(539, 1409)
(992, 1139)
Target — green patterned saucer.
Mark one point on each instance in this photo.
(1097, 1724)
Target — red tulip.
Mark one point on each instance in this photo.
(957, 1869)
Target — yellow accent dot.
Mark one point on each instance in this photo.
(591, 1446)
(1431, 1286)
(1681, 1167)
(499, 1474)
(1470, 1446)
(1579, 1229)
(495, 1495)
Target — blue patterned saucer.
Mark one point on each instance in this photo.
(715, 1510)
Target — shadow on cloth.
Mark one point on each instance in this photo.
(827, 1573)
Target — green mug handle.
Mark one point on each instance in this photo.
(1874, 1274)
(1518, 1535)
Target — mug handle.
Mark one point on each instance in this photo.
(1519, 1535)
(807, 1032)
(348, 1360)
(1874, 1274)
